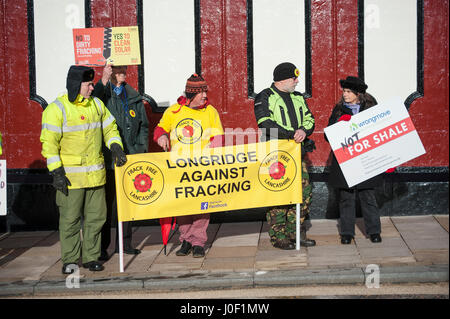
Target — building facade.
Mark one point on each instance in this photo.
(400, 48)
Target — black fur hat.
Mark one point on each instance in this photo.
(76, 75)
(353, 83)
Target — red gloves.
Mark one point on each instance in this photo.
(345, 117)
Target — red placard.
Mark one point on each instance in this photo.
(88, 46)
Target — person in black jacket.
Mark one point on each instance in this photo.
(354, 99)
(125, 104)
(282, 113)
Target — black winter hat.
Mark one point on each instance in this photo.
(76, 75)
(285, 71)
(353, 83)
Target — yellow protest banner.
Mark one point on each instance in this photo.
(156, 185)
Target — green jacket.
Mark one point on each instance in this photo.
(131, 118)
(281, 114)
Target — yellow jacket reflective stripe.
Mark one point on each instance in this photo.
(72, 136)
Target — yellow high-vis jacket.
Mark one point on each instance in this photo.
(72, 136)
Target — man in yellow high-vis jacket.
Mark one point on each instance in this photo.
(74, 127)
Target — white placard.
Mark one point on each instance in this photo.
(374, 140)
(3, 205)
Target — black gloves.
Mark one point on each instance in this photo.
(118, 155)
(60, 181)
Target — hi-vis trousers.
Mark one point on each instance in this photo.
(90, 204)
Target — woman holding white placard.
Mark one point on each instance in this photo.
(354, 99)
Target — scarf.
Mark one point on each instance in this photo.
(123, 99)
(353, 107)
(118, 89)
(183, 101)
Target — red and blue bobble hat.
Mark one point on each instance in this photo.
(285, 70)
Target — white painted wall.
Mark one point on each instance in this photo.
(390, 48)
(278, 36)
(169, 48)
(53, 24)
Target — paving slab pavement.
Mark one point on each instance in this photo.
(238, 255)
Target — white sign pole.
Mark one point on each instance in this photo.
(297, 231)
(120, 246)
(297, 212)
(3, 197)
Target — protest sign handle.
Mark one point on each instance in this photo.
(297, 216)
(120, 246)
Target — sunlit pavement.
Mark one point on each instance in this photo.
(239, 256)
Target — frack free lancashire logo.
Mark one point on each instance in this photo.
(143, 183)
(188, 131)
(277, 171)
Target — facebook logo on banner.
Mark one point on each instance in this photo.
(204, 205)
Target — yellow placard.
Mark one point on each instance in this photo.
(125, 46)
(156, 185)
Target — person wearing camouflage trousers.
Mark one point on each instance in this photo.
(282, 113)
(282, 219)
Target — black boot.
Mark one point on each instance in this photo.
(103, 256)
(69, 268)
(93, 266)
(198, 252)
(375, 238)
(185, 249)
(306, 242)
(285, 244)
(346, 239)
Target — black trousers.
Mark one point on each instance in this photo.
(111, 217)
(369, 210)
